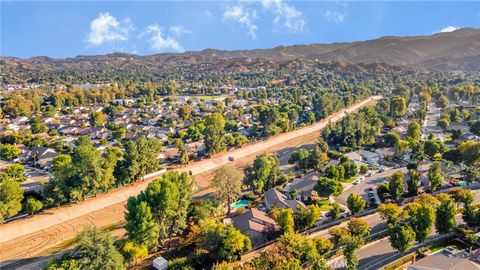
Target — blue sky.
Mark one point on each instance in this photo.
(69, 28)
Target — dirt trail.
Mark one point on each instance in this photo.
(27, 237)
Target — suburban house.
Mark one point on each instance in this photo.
(42, 156)
(434, 262)
(305, 186)
(276, 199)
(255, 224)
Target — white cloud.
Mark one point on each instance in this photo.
(106, 28)
(179, 30)
(243, 15)
(334, 16)
(285, 14)
(448, 29)
(159, 42)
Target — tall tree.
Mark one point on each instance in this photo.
(398, 106)
(140, 224)
(412, 183)
(401, 236)
(326, 187)
(11, 196)
(390, 212)
(414, 131)
(355, 203)
(435, 176)
(227, 184)
(422, 220)
(445, 214)
(284, 218)
(214, 132)
(395, 185)
(263, 173)
(95, 250)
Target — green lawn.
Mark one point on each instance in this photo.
(324, 205)
(351, 179)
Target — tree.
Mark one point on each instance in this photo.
(32, 205)
(11, 196)
(445, 214)
(351, 239)
(390, 212)
(134, 252)
(414, 131)
(183, 154)
(284, 218)
(412, 183)
(9, 152)
(326, 187)
(169, 198)
(335, 211)
(14, 172)
(391, 139)
(95, 250)
(398, 106)
(317, 159)
(307, 217)
(358, 227)
(401, 236)
(395, 185)
(227, 184)
(432, 147)
(470, 151)
(435, 176)
(443, 102)
(264, 173)
(225, 243)
(422, 220)
(65, 264)
(213, 133)
(355, 203)
(363, 169)
(97, 119)
(140, 224)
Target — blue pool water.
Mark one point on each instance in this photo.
(241, 203)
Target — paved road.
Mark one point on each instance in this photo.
(380, 253)
(27, 237)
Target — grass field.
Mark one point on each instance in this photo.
(324, 205)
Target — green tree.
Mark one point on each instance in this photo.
(390, 212)
(9, 152)
(264, 173)
(395, 185)
(355, 203)
(284, 218)
(14, 172)
(225, 243)
(32, 205)
(391, 139)
(169, 198)
(470, 151)
(183, 154)
(445, 214)
(66, 264)
(412, 183)
(401, 236)
(213, 133)
(140, 224)
(422, 220)
(335, 211)
(435, 176)
(97, 119)
(317, 159)
(11, 196)
(398, 106)
(95, 250)
(227, 184)
(326, 187)
(443, 102)
(414, 131)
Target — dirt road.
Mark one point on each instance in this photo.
(27, 237)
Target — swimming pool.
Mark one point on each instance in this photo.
(240, 203)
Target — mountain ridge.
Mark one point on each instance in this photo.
(452, 51)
